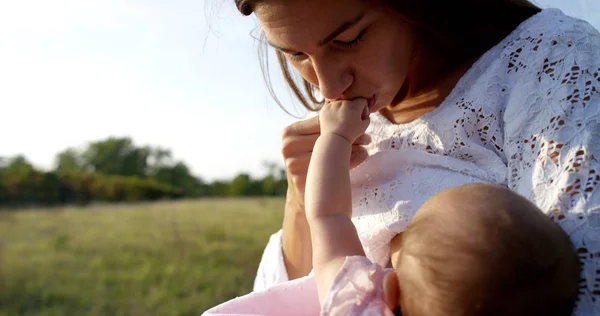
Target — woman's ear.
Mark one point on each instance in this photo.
(391, 290)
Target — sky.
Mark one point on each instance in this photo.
(179, 74)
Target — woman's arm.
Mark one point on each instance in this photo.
(295, 240)
(288, 254)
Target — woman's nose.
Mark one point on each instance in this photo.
(334, 78)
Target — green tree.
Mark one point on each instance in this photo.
(3, 191)
(179, 176)
(20, 180)
(219, 188)
(117, 156)
(69, 160)
(159, 158)
(240, 185)
(275, 182)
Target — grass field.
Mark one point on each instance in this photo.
(166, 258)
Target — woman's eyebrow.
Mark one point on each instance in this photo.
(285, 50)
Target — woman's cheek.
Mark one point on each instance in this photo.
(306, 70)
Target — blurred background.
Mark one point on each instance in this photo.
(140, 168)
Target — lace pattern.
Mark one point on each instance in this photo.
(555, 141)
(526, 115)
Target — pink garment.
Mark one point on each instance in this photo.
(357, 289)
(293, 298)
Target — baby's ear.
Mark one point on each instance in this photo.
(391, 290)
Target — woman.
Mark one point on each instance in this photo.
(460, 92)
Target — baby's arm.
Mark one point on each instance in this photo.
(328, 204)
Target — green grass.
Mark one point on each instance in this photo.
(167, 258)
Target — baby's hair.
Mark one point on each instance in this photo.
(484, 250)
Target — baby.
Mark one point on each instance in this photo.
(472, 250)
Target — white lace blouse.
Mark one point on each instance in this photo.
(526, 115)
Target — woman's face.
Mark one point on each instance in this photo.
(348, 48)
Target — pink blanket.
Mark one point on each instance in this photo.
(294, 298)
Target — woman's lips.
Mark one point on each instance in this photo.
(371, 101)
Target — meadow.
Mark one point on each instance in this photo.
(163, 258)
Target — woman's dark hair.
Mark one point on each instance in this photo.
(466, 28)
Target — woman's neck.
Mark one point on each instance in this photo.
(429, 82)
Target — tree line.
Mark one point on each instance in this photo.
(117, 170)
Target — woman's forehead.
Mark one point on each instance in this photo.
(292, 23)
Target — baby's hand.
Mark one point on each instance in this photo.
(348, 119)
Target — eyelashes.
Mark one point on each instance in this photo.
(345, 45)
(296, 56)
(353, 42)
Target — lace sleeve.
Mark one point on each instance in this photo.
(552, 141)
(271, 269)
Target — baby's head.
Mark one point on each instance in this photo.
(482, 250)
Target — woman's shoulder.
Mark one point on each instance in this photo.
(553, 21)
(553, 65)
(547, 35)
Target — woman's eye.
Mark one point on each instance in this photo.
(345, 44)
(296, 56)
(353, 42)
